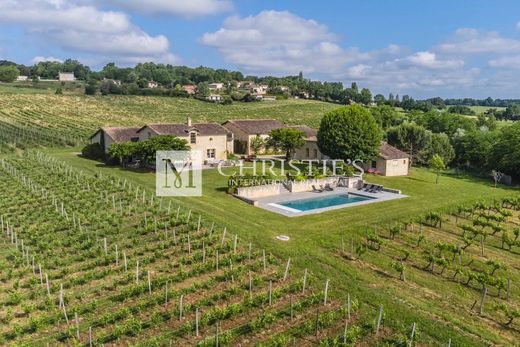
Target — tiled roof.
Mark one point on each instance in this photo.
(256, 126)
(310, 133)
(389, 152)
(182, 130)
(119, 134)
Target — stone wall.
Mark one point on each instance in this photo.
(259, 191)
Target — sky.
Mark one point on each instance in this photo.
(426, 48)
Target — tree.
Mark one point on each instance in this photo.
(148, 148)
(437, 164)
(91, 87)
(506, 152)
(257, 143)
(409, 137)
(349, 132)
(8, 73)
(202, 89)
(386, 116)
(286, 139)
(365, 97)
(123, 151)
(379, 99)
(440, 144)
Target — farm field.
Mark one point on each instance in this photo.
(191, 271)
(316, 244)
(79, 116)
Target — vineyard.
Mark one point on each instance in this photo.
(472, 249)
(57, 120)
(97, 260)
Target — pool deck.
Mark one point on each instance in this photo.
(272, 203)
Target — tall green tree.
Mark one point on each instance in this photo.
(506, 152)
(148, 148)
(365, 96)
(437, 164)
(440, 144)
(349, 132)
(8, 73)
(410, 138)
(257, 143)
(286, 139)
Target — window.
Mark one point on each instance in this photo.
(210, 153)
(193, 137)
(404, 161)
(149, 135)
(315, 153)
(373, 165)
(307, 152)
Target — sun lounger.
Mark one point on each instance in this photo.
(363, 187)
(316, 190)
(376, 189)
(328, 187)
(369, 188)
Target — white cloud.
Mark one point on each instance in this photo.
(280, 43)
(190, 8)
(431, 61)
(508, 62)
(40, 59)
(473, 41)
(79, 26)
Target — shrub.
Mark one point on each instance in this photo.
(93, 151)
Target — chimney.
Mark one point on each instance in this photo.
(188, 121)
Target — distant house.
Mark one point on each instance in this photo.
(390, 162)
(260, 89)
(245, 84)
(116, 82)
(66, 77)
(310, 150)
(189, 88)
(215, 97)
(210, 138)
(22, 78)
(106, 136)
(153, 84)
(245, 130)
(216, 86)
(284, 89)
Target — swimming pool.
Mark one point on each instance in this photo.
(324, 201)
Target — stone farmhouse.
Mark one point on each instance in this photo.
(245, 130)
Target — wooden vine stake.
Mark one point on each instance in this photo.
(149, 283)
(249, 251)
(270, 292)
(484, 293)
(379, 317)
(412, 335)
(223, 236)
(287, 269)
(125, 261)
(216, 260)
(197, 321)
(90, 336)
(326, 292)
(235, 241)
(304, 281)
(250, 285)
(264, 260)
(181, 307)
(349, 306)
(137, 272)
(166, 295)
(117, 256)
(47, 284)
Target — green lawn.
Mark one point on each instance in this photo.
(315, 240)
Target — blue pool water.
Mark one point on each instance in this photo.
(325, 201)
